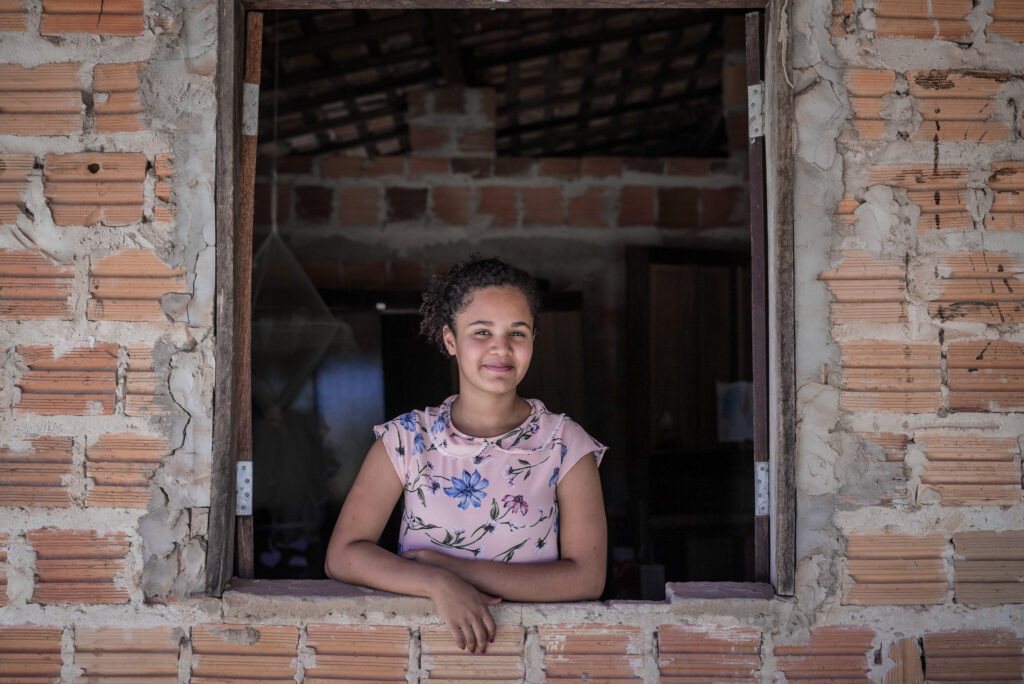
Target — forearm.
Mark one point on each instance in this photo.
(560, 580)
(366, 564)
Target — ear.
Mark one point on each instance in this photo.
(449, 339)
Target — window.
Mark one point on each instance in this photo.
(218, 568)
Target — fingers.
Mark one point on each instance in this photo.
(480, 637)
(489, 627)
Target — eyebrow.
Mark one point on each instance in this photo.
(517, 324)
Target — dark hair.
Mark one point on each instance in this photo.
(450, 292)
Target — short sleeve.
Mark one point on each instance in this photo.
(396, 440)
(574, 443)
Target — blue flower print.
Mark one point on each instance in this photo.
(554, 478)
(439, 423)
(418, 445)
(408, 421)
(468, 489)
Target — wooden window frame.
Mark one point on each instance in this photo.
(775, 379)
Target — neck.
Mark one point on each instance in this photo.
(488, 415)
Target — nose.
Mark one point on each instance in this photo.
(500, 343)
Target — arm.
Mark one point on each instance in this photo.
(353, 556)
(578, 574)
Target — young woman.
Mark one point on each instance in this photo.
(501, 498)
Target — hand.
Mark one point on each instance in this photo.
(465, 610)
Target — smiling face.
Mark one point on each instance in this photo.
(492, 340)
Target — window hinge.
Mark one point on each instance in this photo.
(755, 110)
(761, 491)
(243, 488)
(250, 108)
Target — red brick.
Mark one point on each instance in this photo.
(13, 16)
(44, 100)
(120, 467)
(513, 166)
(601, 167)
(636, 206)
(677, 207)
(103, 17)
(500, 204)
(408, 274)
(359, 206)
(422, 166)
(543, 206)
(263, 198)
(452, 205)
(736, 128)
(722, 207)
(475, 141)
(358, 653)
(143, 653)
(32, 287)
(34, 477)
(406, 204)
(558, 167)
(78, 566)
(450, 100)
(644, 165)
(313, 203)
(384, 166)
(688, 166)
(30, 652)
(588, 209)
(240, 652)
(121, 111)
(340, 166)
(89, 187)
(423, 138)
(475, 167)
(80, 382)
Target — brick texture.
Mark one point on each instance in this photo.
(95, 187)
(33, 471)
(500, 205)
(117, 108)
(14, 171)
(120, 466)
(13, 16)
(128, 286)
(867, 290)
(147, 654)
(81, 382)
(78, 566)
(892, 568)
(30, 653)
(443, 660)
(4, 539)
(103, 17)
(453, 205)
(907, 662)
(43, 100)
(974, 655)
(708, 653)
(588, 209)
(32, 287)
(987, 375)
(145, 388)
(592, 651)
(890, 377)
(989, 567)
(971, 469)
(1006, 183)
(359, 206)
(358, 653)
(980, 287)
(238, 652)
(925, 182)
(1007, 20)
(833, 654)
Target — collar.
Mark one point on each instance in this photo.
(532, 435)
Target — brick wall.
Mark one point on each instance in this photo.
(910, 352)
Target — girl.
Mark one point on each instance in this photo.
(502, 498)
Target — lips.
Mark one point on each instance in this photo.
(498, 367)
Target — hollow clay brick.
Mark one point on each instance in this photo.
(678, 207)
(32, 287)
(264, 652)
(973, 655)
(1010, 30)
(543, 206)
(13, 16)
(359, 206)
(588, 209)
(921, 176)
(938, 83)
(78, 566)
(637, 206)
(33, 476)
(933, 9)
(120, 112)
(340, 166)
(925, 29)
(103, 17)
(149, 653)
(405, 204)
(82, 381)
(131, 283)
(558, 167)
(601, 167)
(961, 131)
(907, 662)
(30, 653)
(870, 82)
(3, 582)
(418, 167)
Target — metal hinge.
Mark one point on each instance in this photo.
(762, 498)
(250, 108)
(243, 488)
(755, 110)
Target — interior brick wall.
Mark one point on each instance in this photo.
(910, 355)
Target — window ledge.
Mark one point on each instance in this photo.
(320, 599)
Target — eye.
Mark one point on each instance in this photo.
(482, 333)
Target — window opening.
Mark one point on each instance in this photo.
(354, 372)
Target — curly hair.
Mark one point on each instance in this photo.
(450, 292)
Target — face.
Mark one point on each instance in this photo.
(492, 340)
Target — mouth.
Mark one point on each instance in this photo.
(499, 367)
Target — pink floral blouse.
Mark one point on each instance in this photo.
(486, 498)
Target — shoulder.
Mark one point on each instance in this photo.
(409, 423)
